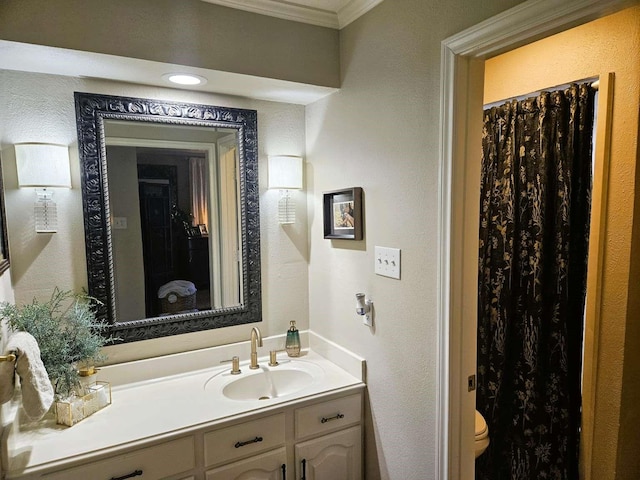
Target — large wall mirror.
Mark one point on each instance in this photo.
(170, 200)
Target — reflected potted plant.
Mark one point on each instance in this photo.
(182, 219)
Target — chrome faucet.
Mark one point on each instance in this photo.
(256, 341)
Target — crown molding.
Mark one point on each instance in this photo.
(351, 10)
(354, 10)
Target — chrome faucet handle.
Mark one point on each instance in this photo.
(235, 365)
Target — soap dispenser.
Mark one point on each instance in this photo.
(293, 340)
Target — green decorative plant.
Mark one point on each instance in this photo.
(67, 333)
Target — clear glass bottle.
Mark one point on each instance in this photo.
(292, 344)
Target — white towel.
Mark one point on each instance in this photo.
(184, 288)
(37, 391)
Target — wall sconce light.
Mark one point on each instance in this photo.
(364, 307)
(285, 173)
(43, 166)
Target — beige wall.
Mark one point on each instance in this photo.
(182, 32)
(380, 132)
(6, 295)
(607, 45)
(124, 201)
(40, 108)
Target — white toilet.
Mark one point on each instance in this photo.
(482, 434)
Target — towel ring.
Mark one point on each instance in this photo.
(8, 358)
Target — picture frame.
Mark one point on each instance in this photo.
(4, 244)
(203, 229)
(343, 214)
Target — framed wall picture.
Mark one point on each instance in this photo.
(343, 214)
(4, 244)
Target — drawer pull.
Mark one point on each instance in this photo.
(337, 416)
(137, 473)
(248, 442)
(304, 469)
(284, 471)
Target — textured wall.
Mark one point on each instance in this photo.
(124, 201)
(6, 295)
(380, 132)
(607, 45)
(40, 108)
(184, 32)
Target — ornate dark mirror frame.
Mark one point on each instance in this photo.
(91, 111)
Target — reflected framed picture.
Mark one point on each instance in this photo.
(342, 211)
(203, 229)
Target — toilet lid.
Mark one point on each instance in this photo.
(482, 430)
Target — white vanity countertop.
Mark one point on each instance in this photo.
(151, 409)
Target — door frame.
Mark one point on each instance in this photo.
(461, 90)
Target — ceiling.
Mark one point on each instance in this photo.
(59, 61)
(325, 13)
(74, 63)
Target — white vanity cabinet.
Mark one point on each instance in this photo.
(206, 436)
(166, 460)
(267, 466)
(330, 456)
(251, 438)
(323, 439)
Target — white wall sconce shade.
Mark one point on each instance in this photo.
(285, 173)
(43, 166)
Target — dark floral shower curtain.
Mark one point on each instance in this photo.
(534, 227)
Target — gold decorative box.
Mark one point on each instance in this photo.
(75, 408)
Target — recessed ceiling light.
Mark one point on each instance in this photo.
(185, 79)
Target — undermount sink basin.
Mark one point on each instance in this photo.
(266, 383)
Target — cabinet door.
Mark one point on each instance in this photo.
(267, 466)
(331, 457)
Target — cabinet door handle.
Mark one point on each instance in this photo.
(284, 471)
(304, 469)
(337, 416)
(248, 442)
(136, 473)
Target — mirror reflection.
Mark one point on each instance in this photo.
(174, 213)
(170, 198)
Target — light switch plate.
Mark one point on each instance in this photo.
(119, 223)
(387, 262)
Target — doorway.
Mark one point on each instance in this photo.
(463, 65)
(157, 241)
